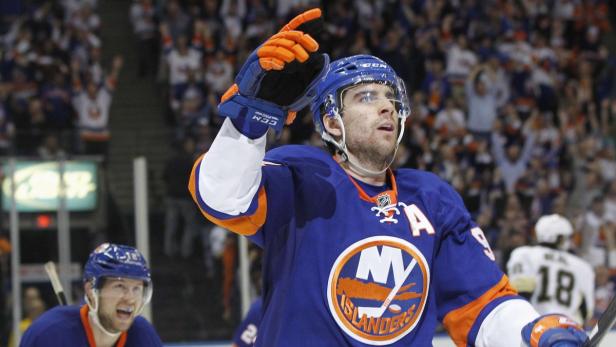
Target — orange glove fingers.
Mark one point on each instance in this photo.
(300, 53)
(271, 64)
(277, 52)
(305, 40)
(280, 41)
(302, 18)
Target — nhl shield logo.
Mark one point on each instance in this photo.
(377, 289)
(383, 200)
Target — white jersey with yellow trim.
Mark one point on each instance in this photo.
(560, 282)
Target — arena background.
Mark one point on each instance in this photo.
(555, 61)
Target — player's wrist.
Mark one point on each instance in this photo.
(251, 116)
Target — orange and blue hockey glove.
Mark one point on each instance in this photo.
(553, 330)
(273, 84)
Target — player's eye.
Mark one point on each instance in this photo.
(119, 286)
(367, 97)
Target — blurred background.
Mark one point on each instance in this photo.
(514, 104)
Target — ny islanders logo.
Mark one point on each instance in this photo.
(377, 289)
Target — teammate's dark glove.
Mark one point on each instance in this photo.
(553, 330)
(273, 83)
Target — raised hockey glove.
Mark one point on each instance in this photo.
(553, 330)
(273, 84)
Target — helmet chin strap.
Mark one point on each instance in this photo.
(93, 314)
(342, 148)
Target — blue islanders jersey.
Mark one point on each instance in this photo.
(246, 333)
(68, 326)
(348, 264)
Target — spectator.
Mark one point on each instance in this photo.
(56, 97)
(176, 21)
(32, 129)
(33, 307)
(219, 75)
(92, 107)
(182, 61)
(604, 292)
(450, 120)
(460, 60)
(482, 98)
(178, 204)
(7, 131)
(50, 149)
(193, 105)
(592, 225)
(513, 160)
(143, 18)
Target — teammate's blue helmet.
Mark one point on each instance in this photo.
(111, 260)
(347, 72)
(115, 261)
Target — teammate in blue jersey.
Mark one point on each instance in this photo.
(355, 253)
(117, 285)
(246, 333)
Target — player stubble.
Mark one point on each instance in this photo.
(114, 308)
(371, 132)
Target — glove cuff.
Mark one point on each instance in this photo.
(252, 117)
(553, 330)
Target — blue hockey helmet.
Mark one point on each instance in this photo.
(115, 261)
(118, 261)
(347, 72)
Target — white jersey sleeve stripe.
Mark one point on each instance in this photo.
(503, 326)
(230, 172)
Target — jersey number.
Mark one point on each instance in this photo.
(250, 334)
(481, 238)
(564, 285)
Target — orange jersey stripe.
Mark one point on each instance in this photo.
(459, 322)
(243, 225)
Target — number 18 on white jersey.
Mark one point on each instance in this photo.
(559, 282)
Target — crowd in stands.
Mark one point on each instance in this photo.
(513, 102)
(55, 92)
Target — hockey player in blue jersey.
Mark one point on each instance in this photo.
(355, 253)
(117, 285)
(246, 333)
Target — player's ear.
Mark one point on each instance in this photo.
(332, 126)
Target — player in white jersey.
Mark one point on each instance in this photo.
(553, 279)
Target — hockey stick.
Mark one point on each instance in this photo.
(50, 268)
(605, 323)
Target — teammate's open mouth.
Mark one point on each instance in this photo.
(124, 313)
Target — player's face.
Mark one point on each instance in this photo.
(120, 298)
(371, 122)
